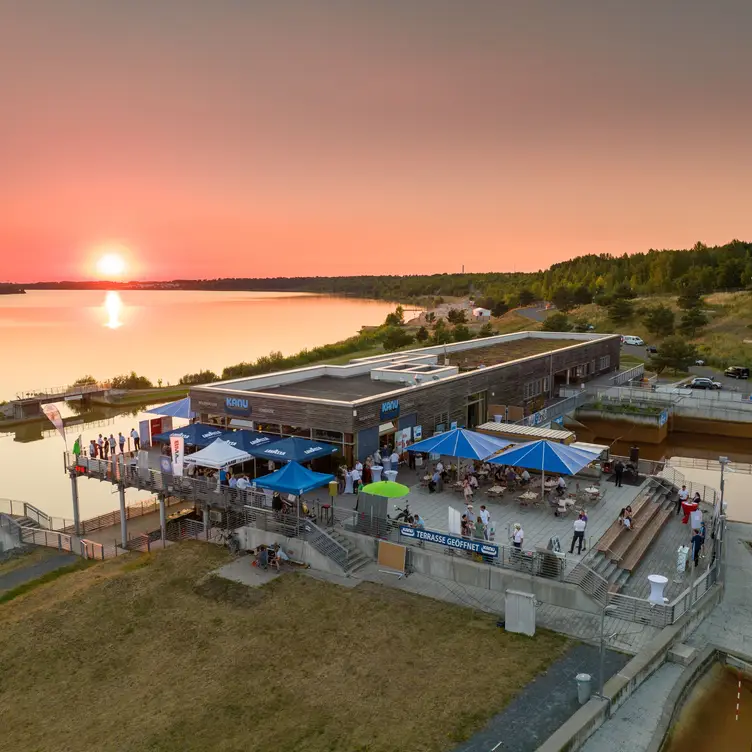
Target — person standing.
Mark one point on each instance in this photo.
(682, 496)
(618, 473)
(579, 535)
(394, 459)
(93, 449)
(113, 444)
(100, 446)
(136, 439)
(480, 529)
(121, 441)
(518, 538)
(485, 515)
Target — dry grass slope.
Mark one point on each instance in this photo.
(158, 654)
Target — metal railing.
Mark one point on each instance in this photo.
(630, 375)
(52, 539)
(62, 391)
(675, 478)
(713, 465)
(551, 412)
(111, 519)
(644, 467)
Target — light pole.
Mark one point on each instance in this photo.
(723, 461)
(601, 681)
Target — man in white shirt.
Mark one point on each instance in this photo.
(473, 482)
(579, 535)
(356, 475)
(359, 466)
(518, 536)
(525, 477)
(440, 467)
(242, 483)
(561, 486)
(682, 497)
(394, 459)
(485, 517)
(136, 439)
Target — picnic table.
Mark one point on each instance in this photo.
(496, 491)
(527, 497)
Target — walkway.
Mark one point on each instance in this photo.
(23, 574)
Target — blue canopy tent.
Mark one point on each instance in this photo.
(247, 440)
(196, 434)
(293, 478)
(179, 409)
(294, 449)
(546, 456)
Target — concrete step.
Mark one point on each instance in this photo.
(356, 563)
(26, 522)
(619, 582)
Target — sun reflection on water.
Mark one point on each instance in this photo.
(113, 306)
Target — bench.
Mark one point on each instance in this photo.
(641, 519)
(643, 539)
(608, 538)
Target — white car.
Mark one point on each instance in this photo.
(630, 339)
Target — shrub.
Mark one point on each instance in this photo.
(131, 381)
(202, 377)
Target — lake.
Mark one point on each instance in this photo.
(51, 338)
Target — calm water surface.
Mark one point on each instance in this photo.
(50, 338)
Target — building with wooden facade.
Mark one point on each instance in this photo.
(370, 402)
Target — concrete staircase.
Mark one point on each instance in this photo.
(356, 559)
(26, 522)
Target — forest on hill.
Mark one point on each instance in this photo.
(702, 268)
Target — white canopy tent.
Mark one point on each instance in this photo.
(218, 456)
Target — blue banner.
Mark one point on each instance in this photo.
(452, 541)
(389, 409)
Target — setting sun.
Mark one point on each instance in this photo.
(111, 265)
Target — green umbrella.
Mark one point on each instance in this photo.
(387, 488)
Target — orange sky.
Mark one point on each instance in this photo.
(327, 137)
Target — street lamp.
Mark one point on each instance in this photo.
(723, 461)
(605, 610)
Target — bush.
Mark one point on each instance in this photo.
(557, 322)
(202, 377)
(84, 380)
(422, 334)
(486, 330)
(621, 311)
(461, 333)
(396, 337)
(659, 320)
(131, 381)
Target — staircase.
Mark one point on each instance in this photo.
(23, 521)
(356, 559)
(619, 550)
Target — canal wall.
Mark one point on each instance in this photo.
(642, 429)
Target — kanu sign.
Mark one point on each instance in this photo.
(389, 409)
(237, 406)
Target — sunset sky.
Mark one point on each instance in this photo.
(248, 138)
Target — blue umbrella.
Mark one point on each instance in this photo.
(294, 479)
(248, 440)
(459, 442)
(293, 449)
(179, 409)
(196, 434)
(546, 456)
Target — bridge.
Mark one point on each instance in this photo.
(29, 404)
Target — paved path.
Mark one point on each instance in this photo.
(26, 574)
(550, 699)
(632, 727)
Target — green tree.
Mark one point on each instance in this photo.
(624, 291)
(431, 317)
(526, 297)
(659, 320)
(675, 354)
(621, 311)
(202, 377)
(422, 334)
(557, 322)
(85, 380)
(456, 316)
(486, 330)
(692, 321)
(396, 337)
(563, 299)
(396, 318)
(690, 298)
(582, 295)
(499, 308)
(461, 333)
(131, 381)
(441, 335)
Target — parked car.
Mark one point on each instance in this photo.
(652, 349)
(631, 339)
(700, 382)
(737, 372)
(699, 362)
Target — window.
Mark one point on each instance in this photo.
(440, 422)
(581, 371)
(604, 363)
(534, 388)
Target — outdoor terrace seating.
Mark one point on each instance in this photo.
(609, 538)
(644, 537)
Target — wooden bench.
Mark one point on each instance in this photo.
(608, 538)
(643, 539)
(640, 520)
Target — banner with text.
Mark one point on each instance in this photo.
(52, 411)
(177, 445)
(451, 541)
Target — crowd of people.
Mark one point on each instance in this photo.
(105, 447)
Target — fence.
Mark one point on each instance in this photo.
(61, 391)
(714, 465)
(626, 376)
(52, 539)
(110, 519)
(554, 411)
(674, 477)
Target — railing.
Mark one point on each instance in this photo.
(111, 519)
(325, 544)
(707, 494)
(626, 376)
(640, 610)
(590, 582)
(713, 465)
(644, 467)
(556, 410)
(60, 391)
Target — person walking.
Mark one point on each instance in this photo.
(618, 473)
(696, 543)
(579, 535)
(121, 442)
(113, 444)
(136, 439)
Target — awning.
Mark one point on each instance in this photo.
(294, 479)
(196, 434)
(294, 450)
(179, 409)
(247, 440)
(546, 456)
(218, 454)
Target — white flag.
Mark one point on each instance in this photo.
(52, 411)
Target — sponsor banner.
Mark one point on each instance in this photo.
(52, 411)
(451, 541)
(143, 434)
(165, 464)
(402, 439)
(417, 433)
(177, 447)
(389, 409)
(238, 406)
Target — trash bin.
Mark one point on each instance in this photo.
(583, 687)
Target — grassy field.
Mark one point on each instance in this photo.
(154, 653)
